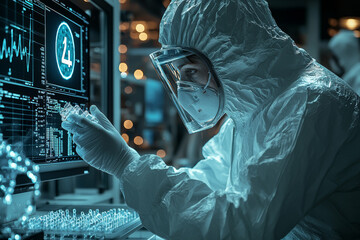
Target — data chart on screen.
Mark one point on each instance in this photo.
(44, 64)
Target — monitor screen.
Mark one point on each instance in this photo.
(44, 63)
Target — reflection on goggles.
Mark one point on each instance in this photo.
(193, 86)
(184, 82)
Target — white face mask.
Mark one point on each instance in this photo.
(202, 104)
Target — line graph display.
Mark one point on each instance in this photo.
(38, 75)
(16, 41)
(15, 49)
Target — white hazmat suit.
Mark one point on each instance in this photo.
(345, 46)
(285, 164)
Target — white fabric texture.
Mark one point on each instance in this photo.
(285, 165)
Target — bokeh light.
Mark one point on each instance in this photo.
(143, 36)
(138, 140)
(123, 48)
(350, 23)
(123, 75)
(357, 33)
(161, 153)
(140, 27)
(138, 74)
(128, 124)
(123, 67)
(332, 32)
(128, 90)
(333, 22)
(125, 137)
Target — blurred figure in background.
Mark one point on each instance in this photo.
(345, 62)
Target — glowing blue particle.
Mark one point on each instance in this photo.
(36, 168)
(12, 154)
(12, 183)
(27, 162)
(32, 177)
(18, 159)
(8, 148)
(12, 165)
(29, 209)
(8, 199)
(17, 237)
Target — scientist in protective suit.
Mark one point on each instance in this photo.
(285, 163)
(345, 61)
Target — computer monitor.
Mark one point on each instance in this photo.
(44, 63)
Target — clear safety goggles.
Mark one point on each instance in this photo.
(192, 85)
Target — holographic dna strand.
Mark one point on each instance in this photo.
(16, 49)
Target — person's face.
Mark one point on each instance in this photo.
(196, 71)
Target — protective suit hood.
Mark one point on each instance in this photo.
(238, 38)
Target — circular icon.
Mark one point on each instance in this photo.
(65, 51)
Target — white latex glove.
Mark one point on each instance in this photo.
(100, 145)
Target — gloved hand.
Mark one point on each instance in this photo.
(100, 145)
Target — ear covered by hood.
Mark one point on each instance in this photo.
(253, 59)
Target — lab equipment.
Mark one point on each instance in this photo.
(111, 223)
(43, 67)
(69, 109)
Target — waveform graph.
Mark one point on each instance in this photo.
(16, 43)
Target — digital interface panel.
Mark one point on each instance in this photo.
(44, 63)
